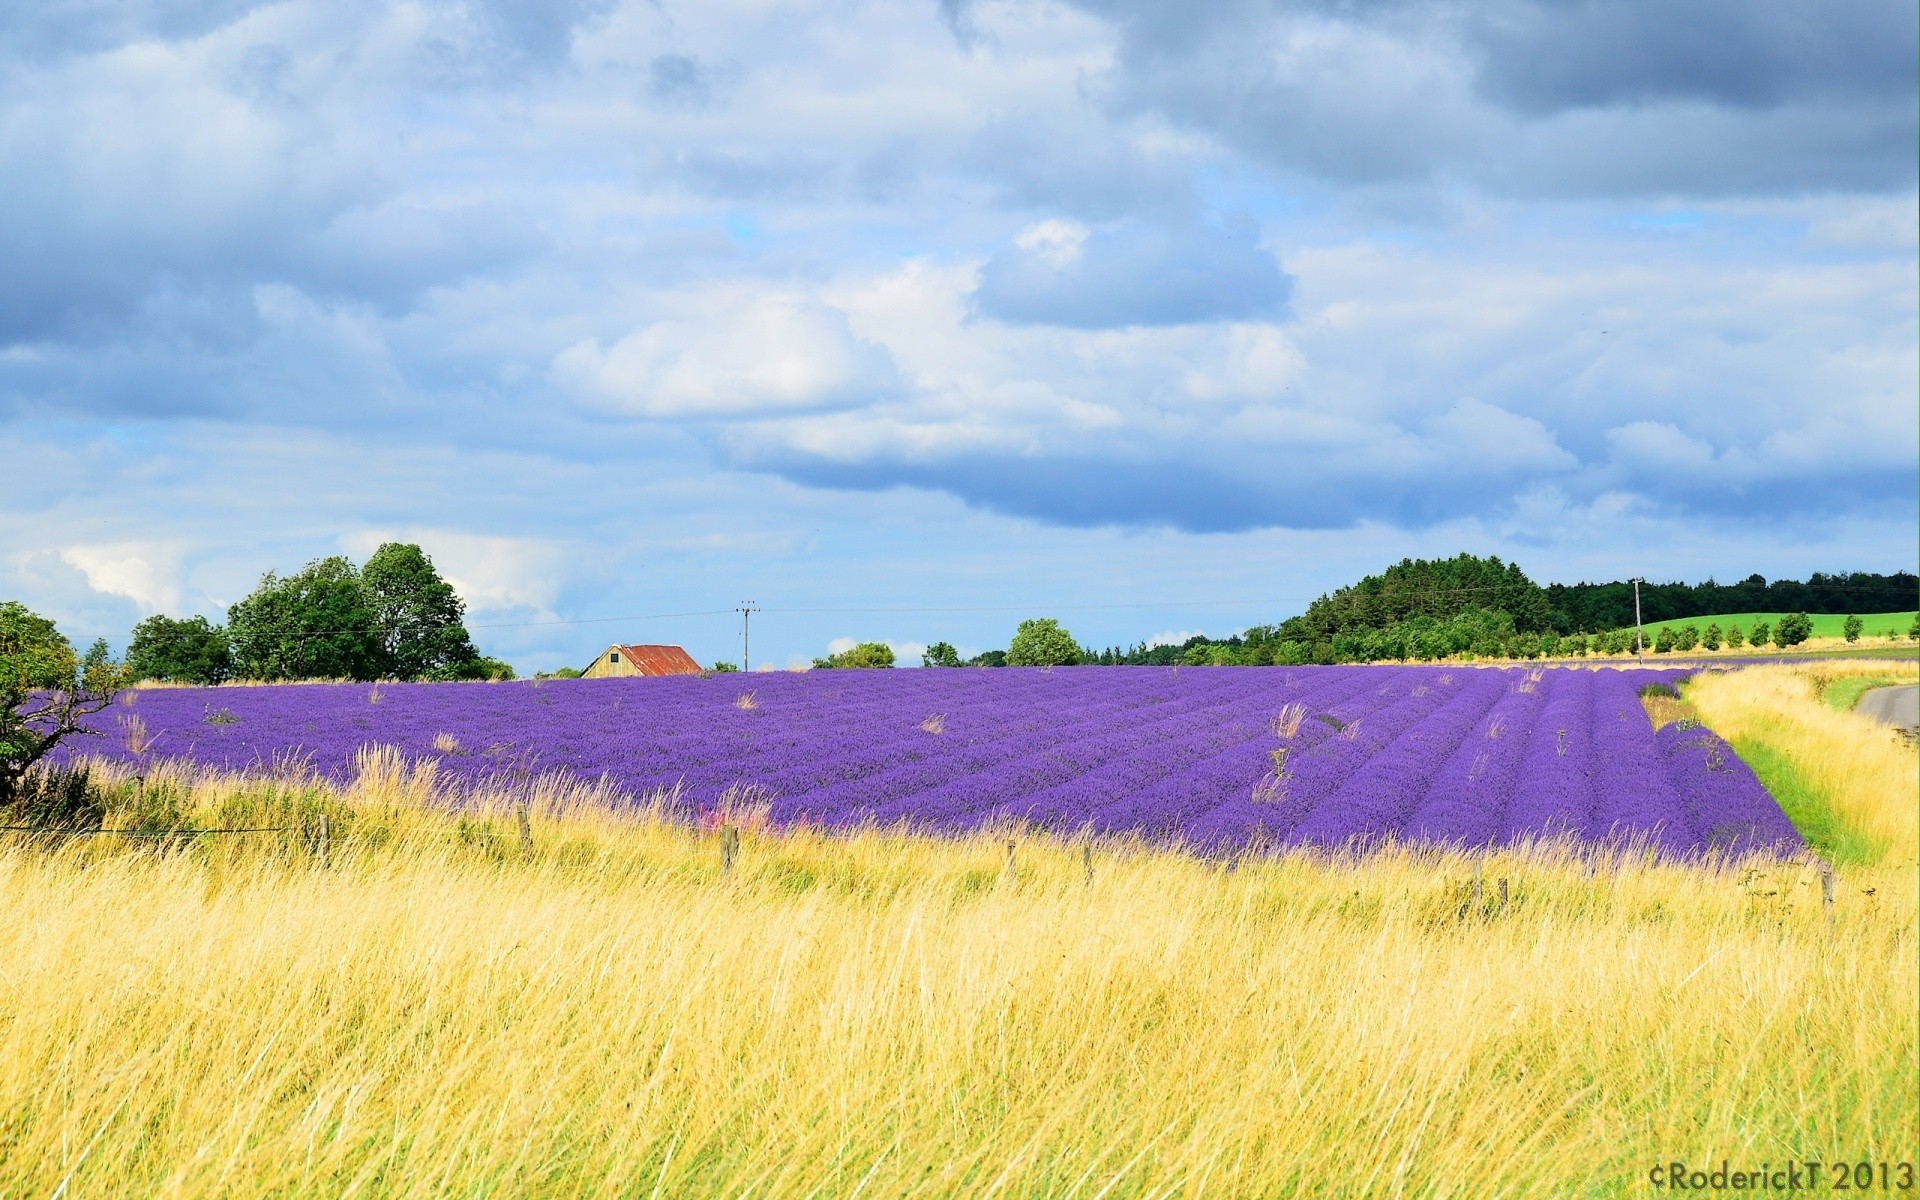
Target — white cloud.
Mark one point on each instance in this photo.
(491, 573)
(731, 352)
(146, 573)
(1175, 637)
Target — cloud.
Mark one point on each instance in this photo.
(1538, 97)
(143, 572)
(1060, 273)
(1546, 57)
(492, 574)
(732, 351)
(631, 308)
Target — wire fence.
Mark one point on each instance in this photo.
(64, 831)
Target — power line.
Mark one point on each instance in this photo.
(1882, 589)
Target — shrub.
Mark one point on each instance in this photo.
(1577, 645)
(1735, 638)
(45, 695)
(940, 654)
(1664, 641)
(1793, 629)
(1687, 637)
(1042, 643)
(1913, 630)
(1711, 638)
(723, 667)
(1761, 631)
(865, 656)
(1853, 627)
(62, 798)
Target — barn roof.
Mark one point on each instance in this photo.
(660, 660)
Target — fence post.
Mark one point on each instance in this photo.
(729, 848)
(526, 828)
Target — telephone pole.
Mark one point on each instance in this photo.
(1639, 641)
(746, 610)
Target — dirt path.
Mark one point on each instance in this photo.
(1893, 705)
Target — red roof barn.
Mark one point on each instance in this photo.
(641, 660)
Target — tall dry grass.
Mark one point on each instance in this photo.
(1864, 772)
(432, 1009)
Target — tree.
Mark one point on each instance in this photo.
(864, 655)
(194, 650)
(417, 616)
(1687, 638)
(45, 696)
(940, 654)
(1761, 631)
(988, 658)
(1913, 630)
(1794, 628)
(1663, 641)
(1711, 638)
(1042, 643)
(1853, 627)
(719, 668)
(313, 625)
(1735, 638)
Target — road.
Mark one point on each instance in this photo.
(1894, 705)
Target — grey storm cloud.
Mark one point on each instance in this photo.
(1539, 97)
(1135, 275)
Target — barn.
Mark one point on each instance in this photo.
(619, 661)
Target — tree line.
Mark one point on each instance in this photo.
(392, 618)
(1432, 609)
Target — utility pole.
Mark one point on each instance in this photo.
(1639, 641)
(746, 610)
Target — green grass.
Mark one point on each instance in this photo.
(1825, 625)
(1831, 837)
(1844, 694)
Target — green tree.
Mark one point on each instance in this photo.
(1853, 627)
(1687, 638)
(719, 668)
(312, 625)
(1792, 629)
(1663, 641)
(194, 650)
(1042, 643)
(1913, 630)
(1711, 638)
(864, 655)
(1736, 638)
(493, 670)
(1761, 632)
(940, 654)
(988, 658)
(46, 695)
(417, 616)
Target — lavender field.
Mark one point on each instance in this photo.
(1212, 759)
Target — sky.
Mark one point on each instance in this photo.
(910, 319)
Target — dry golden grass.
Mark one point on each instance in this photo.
(434, 1010)
(1865, 772)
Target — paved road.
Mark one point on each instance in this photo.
(1894, 705)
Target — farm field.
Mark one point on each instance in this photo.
(1825, 625)
(1210, 759)
(431, 1005)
